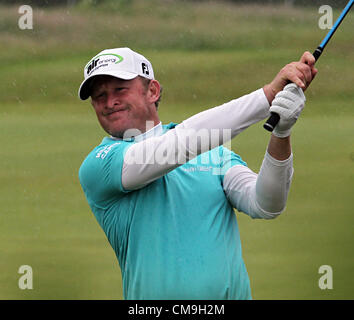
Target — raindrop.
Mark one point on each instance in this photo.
(19, 100)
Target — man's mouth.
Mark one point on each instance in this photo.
(114, 111)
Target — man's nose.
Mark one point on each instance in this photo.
(112, 101)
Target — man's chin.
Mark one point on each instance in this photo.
(126, 134)
(115, 133)
(115, 130)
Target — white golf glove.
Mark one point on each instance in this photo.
(288, 104)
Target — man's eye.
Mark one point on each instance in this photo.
(100, 95)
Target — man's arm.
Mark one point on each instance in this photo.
(183, 143)
(236, 116)
(265, 195)
(262, 195)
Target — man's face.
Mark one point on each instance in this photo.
(123, 104)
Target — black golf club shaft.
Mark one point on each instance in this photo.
(274, 117)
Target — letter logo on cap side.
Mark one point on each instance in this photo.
(145, 68)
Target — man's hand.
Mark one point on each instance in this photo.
(301, 73)
(288, 104)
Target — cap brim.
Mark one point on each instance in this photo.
(84, 90)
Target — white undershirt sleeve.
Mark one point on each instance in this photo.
(262, 195)
(154, 157)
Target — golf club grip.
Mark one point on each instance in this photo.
(272, 121)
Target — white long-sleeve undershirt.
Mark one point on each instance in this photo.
(261, 196)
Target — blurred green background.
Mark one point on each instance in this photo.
(204, 54)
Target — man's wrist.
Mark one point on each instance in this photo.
(269, 92)
(279, 148)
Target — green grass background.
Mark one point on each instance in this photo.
(204, 55)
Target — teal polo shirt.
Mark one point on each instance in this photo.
(177, 237)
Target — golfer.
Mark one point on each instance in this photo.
(164, 193)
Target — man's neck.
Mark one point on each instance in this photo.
(150, 132)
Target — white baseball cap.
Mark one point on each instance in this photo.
(122, 63)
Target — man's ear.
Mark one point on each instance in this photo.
(154, 91)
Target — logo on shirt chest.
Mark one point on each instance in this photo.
(104, 151)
